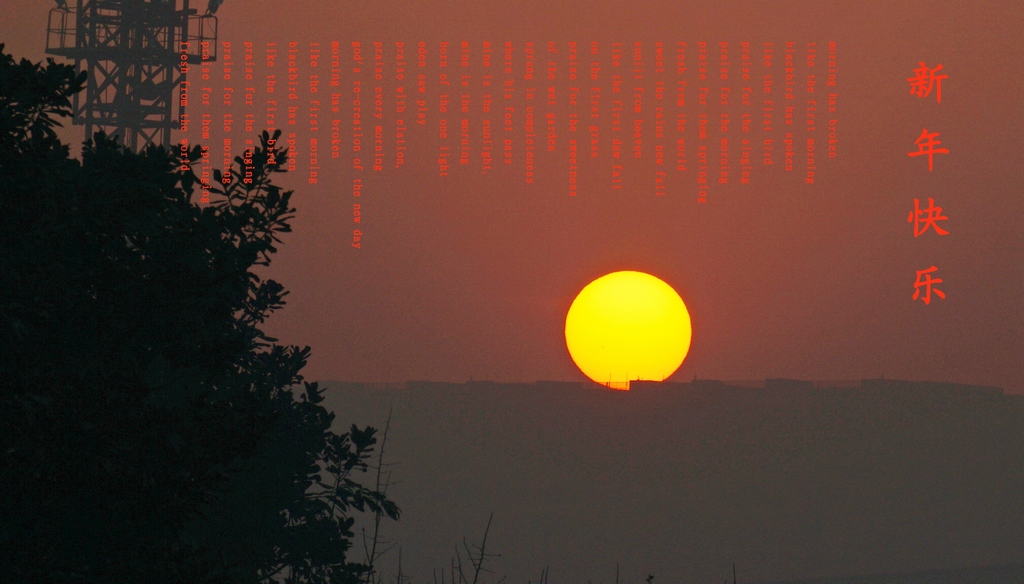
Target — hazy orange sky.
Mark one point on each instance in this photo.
(471, 275)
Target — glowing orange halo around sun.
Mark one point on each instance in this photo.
(627, 326)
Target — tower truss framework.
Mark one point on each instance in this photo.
(136, 53)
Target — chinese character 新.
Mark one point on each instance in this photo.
(923, 80)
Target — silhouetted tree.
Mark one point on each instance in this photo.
(149, 430)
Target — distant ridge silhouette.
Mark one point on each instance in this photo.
(1007, 574)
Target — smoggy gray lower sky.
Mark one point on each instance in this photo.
(471, 274)
(681, 481)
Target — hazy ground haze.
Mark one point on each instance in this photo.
(683, 480)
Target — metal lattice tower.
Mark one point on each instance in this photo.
(136, 53)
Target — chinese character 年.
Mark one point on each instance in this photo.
(930, 144)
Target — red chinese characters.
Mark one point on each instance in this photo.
(927, 283)
(931, 215)
(921, 85)
(926, 144)
(924, 79)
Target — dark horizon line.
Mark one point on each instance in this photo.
(912, 575)
(766, 383)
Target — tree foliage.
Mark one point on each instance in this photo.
(149, 430)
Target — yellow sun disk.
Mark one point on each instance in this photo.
(626, 326)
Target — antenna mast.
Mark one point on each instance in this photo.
(137, 54)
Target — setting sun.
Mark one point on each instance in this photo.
(627, 326)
